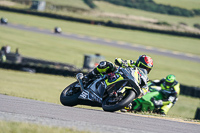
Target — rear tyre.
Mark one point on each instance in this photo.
(69, 96)
(107, 105)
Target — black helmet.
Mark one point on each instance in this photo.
(145, 62)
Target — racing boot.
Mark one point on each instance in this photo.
(162, 113)
(127, 108)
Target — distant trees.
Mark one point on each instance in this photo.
(90, 3)
(197, 26)
(150, 5)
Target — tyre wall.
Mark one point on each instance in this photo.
(35, 68)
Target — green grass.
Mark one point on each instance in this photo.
(188, 4)
(185, 107)
(72, 52)
(18, 127)
(33, 86)
(182, 44)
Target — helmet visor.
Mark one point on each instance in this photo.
(168, 83)
(148, 70)
(141, 65)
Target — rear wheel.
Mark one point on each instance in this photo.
(115, 103)
(69, 96)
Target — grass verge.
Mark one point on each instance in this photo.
(18, 127)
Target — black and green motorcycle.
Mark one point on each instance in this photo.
(112, 91)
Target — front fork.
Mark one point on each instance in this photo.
(79, 77)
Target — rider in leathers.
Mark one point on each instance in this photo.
(144, 63)
(170, 89)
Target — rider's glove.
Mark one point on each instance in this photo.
(120, 62)
(85, 79)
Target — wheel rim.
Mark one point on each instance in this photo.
(114, 99)
(71, 90)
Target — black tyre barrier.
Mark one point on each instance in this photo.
(197, 92)
(190, 91)
(197, 115)
(28, 70)
(47, 70)
(59, 72)
(38, 69)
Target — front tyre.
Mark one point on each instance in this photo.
(69, 96)
(112, 104)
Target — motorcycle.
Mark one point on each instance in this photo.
(145, 103)
(111, 91)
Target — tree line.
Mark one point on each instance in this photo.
(150, 5)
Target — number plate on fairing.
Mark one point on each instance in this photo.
(90, 96)
(84, 95)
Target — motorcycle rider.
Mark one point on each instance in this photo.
(144, 62)
(170, 88)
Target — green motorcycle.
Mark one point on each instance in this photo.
(146, 103)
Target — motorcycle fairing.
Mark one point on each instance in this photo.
(94, 91)
(115, 78)
(101, 88)
(89, 95)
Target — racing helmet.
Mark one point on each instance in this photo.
(169, 81)
(145, 62)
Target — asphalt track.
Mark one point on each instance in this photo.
(96, 121)
(114, 43)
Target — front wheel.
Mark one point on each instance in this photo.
(69, 96)
(113, 103)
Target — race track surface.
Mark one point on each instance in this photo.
(114, 43)
(43, 113)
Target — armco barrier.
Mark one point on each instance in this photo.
(185, 90)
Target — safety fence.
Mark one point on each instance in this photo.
(103, 23)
